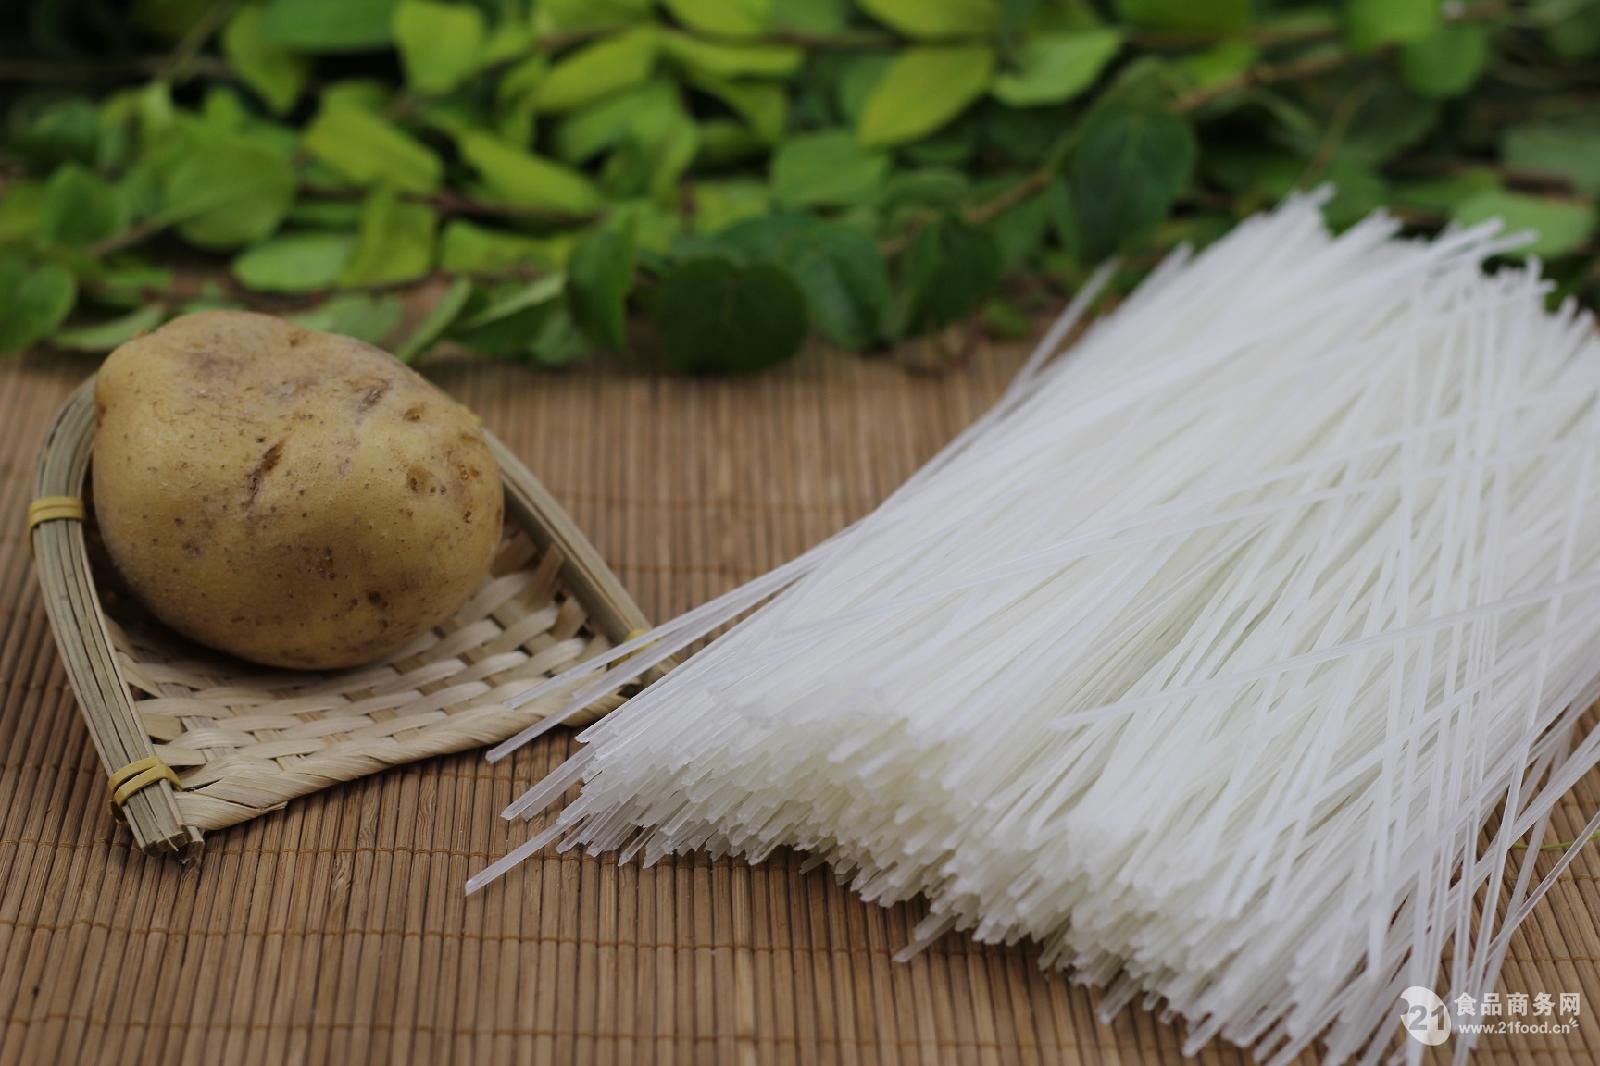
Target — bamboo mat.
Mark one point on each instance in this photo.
(336, 931)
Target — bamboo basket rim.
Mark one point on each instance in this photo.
(95, 654)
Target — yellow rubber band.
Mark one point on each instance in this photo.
(50, 508)
(137, 776)
(633, 634)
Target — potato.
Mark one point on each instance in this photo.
(293, 497)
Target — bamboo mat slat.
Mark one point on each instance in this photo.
(336, 931)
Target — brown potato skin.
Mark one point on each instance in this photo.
(296, 498)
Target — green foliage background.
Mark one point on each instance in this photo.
(707, 182)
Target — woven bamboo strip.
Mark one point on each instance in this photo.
(75, 612)
(335, 932)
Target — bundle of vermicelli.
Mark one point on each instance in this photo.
(1204, 660)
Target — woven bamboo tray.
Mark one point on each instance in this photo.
(196, 740)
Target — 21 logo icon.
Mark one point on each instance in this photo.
(1424, 1016)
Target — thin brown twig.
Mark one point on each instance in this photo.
(1315, 63)
(1338, 123)
(1012, 197)
(57, 71)
(1309, 66)
(195, 39)
(1533, 181)
(1264, 37)
(976, 215)
(136, 234)
(188, 288)
(448, 204)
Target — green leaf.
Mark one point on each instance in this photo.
(440, 44)
(723, 142)
(837, 266)
(515, 101)
(653, 228)
(394, 244)
(1561, 225)
(324, 26)
(21, 209)
(1308, 21)
(1064, 215)
(224, 110)
(1573, 28)
(141, 189)
(727, 60)
(764, 106)
(950, 268)
(828, 168)
(858, 76)
(589, 14)
(719, 204)
(952, 146)
(211, 297)
(369, 150)
(326, 214)
(717, 317)
(1260, 173)
(599, 275)
(1199, 17)
(727, 18)
(59, 132)
(914, 192)
(936, 18)
(1006, 321)
(1565, 148)
(923, 88)
(371, 94)
(439, 319)
(1020, 232)
(514, 298)
(271, 71)
(651, 166)
(1373, 23)
(511, 37)
(130, 283)
(1447, 62)
(451, 115)
(557, 341)
(112, 333)
(1445, 194)
(467, 248)
(516, 177)
(598, 70)
(34, 300)
(228, 191)
(80, 208)
(1055, 67)
(505, 323)
(355, 314)
(1386, 122)
(1127, 169)
(295, 262)
(633, 114)
(812, 16)
(1220, 63)
(1026, 135)
(1357, 192)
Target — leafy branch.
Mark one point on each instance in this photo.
(871, 172)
